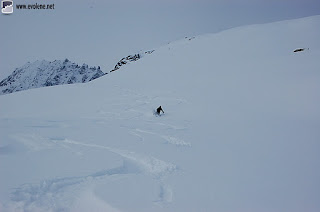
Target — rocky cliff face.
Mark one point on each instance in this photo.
(45, 73)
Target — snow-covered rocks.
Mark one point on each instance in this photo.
(130, 58)
(45, 73)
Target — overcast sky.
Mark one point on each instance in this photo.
(101, 32)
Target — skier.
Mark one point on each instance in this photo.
(159, 109)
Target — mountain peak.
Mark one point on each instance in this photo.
(42, 73)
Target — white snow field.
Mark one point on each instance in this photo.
(240, 130)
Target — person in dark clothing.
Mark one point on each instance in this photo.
(159, 109)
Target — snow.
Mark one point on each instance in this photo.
(240, 130)
(44, 73)
(131, 58)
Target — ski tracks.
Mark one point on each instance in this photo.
(52, 193)
(149, 165)
(141, 123)
(168, 139)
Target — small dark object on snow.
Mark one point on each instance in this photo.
(159, 109)
(298, 50)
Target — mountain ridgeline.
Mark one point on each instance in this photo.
(45, 73)
(130, 58)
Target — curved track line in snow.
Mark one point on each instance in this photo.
(157, 168)
(51, 194)
(172, 126)
(149, 164)
(169, 139)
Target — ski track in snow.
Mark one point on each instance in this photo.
(134, 111)
(50, 194)
(148, 164)
(165, 195)
(169, 139)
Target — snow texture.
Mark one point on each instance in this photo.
(240, 130)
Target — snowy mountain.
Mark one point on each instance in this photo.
(240, 130)
(44, 73)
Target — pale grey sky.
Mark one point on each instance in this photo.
(102, 32)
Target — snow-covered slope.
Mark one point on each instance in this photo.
(131, 58)
(44, 73)
(240, 130)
